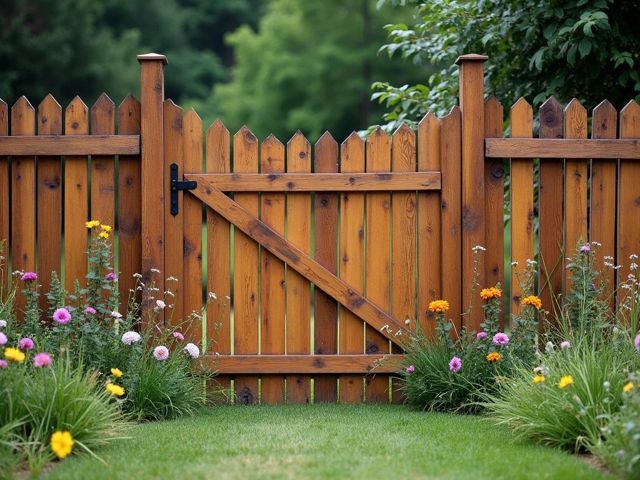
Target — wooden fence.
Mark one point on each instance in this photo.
(318, 255)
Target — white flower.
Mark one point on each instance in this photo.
(160, 304)
(479, 248)
(192, 350)
(3, 323)
(137, 275)
(155, 270)
(116, 314)
(161, 353)
(131, 337)
(564, 345)
(407, 321)
(213, 296)
(549, 347)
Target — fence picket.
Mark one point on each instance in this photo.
(4, 206)
(103, 167)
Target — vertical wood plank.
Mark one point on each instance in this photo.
(76, 198)
(4, 206)
(129, 202)
(551, 200)
(326, 254)
(273, 287)
(23, 196)
(174, 224)
(298, 287)
(473, 225)
(351, 336)
(246, 288)
(522, 248)
(628, 198)
(429, 225)
(377, 257)
(575, 186)
(603, 193)
(103, 167)
(192, 228)
(218, 160)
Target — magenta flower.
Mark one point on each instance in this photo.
(3, 364)
(3, 339)
(455, 365)
(410, 369)
(637, 342)
(42, 359)
(61, 316)
(178, 335)
(500, 339)
(161, 353)
(110, 277)
(90, 311)
(29, 276)
(481, 335)
(25, 344)
(585, 248)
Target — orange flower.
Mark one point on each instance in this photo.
(439, 306)
(533, 301)
(489, 293)
(494, 357)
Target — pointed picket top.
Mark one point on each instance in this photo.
(378, 151)
(353, 140)
(403, 130)
(191, 121)
(521, 107)
(352, 153)
(428, 120)
(129, 112)
(551, 116)
(49, 116)
(493, 102)
(174, 112)
(404, 149)
(272, 141)
(493, 117)
(604, 120)
(217, 137)
(23, 117)
(4, 117)
(103, 116)
(76, 118)
(379, 135)
(103, 104)
(272, 154)
(327, 141)
(575, 120)
(325, 154)
(245, 135)
(630, 120)
(298, 153)
(218, 126)
(521, 119)
(23, 102)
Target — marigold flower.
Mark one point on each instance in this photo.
(533, 301)
(116, 372)
(494, 357)
(14, 355)
(628, 387)
(489, 293)
(114, 389)
(92, 224)
(455, 365)
(538, 379)
(103, 235)
(565, 381)
(439, 306)
(61, 444)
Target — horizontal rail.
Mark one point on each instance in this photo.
(561, 148)
(321, 182)
(312, 364)
(70, 145)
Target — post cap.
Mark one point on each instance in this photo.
(471, 57)
(152, 57)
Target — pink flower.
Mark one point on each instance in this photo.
(3, 339)
(178, 335)
(160, 304)
(564, 345)
(585, 249)
(500, 339)
(161, 353)
(110, 277)
(192, 350)
(410, 369)
(131, 337)
(637, 342)
(117, 315)
(3, 364)
(455, 365)
(29, 276)
(42, 359)
(61, 316)
(90, 311)
(25, 344)
(481, 335)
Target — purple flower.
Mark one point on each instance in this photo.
(192, 350)
(131, 337)
(500, 339)
(481, 335)
(178, 335)
(110, 277)
(455, 364)
(61, 316)
(161, 353)
(564, 345)
(29, 276)
(90, 311)
(637, 342)
(585, 248)
(25, 344)
(42, 359)
(411, 368)
(3, 339)
(3, 364)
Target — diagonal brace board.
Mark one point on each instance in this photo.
(337, 288)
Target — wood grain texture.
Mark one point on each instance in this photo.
(494, 200)
(49, 193)
(28, 145)
(76, 197)
(273, 287)
(429, 225)
(602, 225)
(174, 224)
(4, 206)
(550, 211)
(326, 254)
(351, 334)
(192, 228)
(378, 258)
(562, 148)
(522, 213)
(575, 186)
(246, 288)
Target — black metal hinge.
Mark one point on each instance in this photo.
(176, 186)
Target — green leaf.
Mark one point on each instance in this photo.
(585, 47)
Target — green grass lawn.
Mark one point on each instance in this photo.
(324, 442)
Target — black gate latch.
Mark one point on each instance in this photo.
(176, 186)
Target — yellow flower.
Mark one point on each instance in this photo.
(92, 224)
(628, 387)
(494, 357)
(61, 443)
(533, 301)
(114, 389)
(439, 306)
(489, 293)
(105, 228)
(14, 355)
(103, 235)
(538, 379)
(116, 372)
(566, 381)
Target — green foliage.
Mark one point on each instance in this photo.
(571, 48)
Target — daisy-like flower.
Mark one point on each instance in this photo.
(131, 337)
(61, 316)
(161, 353)
(628, 388)
(116, 372)
(42, 359)
(565, 381)
(103, 235)
(61, 444)
(92, 224)
(455, 365)
(192, 350)
(25, 344)
(178, 336)
(538, 379)
(439, 306)
(29, 276)
(14, 355)
(500, 339)
(114, 389)
(410, 369)
(105, 228)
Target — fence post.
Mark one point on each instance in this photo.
(152, 165)
(473, 215)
